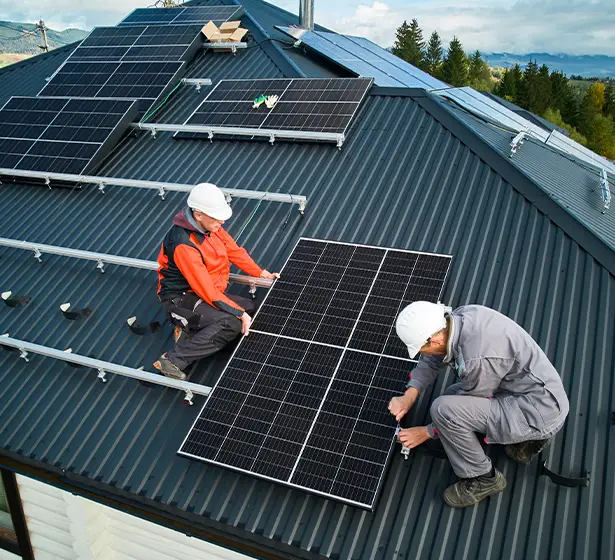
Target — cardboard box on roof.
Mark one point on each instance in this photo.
(228, 32)
(229, 26)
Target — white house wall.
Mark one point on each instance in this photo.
(63, 526)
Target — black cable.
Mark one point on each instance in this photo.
(2, 24)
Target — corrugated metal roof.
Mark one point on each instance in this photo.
(404, 180)
(573, 183)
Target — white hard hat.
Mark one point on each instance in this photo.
(210, 200)
(418, 322)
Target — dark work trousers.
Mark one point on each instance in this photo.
(208, 328)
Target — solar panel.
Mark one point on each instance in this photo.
(319, 105)
(140, 43)
(364, 58)
(60, 135)
(303, 400)
(167, 16)
(146, 81)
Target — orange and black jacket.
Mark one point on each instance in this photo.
(193, 261)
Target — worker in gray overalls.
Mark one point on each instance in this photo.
(508, 391)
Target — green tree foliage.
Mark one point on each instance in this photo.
(455, 68)
(554, 116)
(609, 100)
(433, 55)
(479, 73)
(409, 44)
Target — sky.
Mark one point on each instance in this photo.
(523, 26)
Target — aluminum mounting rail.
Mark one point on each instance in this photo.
(222, 46)
(270, 133)
(198, 82)
(102, 258)
(161, 187)
(25, 348)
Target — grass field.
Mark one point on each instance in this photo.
(9, 58)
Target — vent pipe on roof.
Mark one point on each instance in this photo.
(306, 14)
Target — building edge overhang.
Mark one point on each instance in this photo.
(166, 515)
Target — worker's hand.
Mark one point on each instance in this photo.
(246, 321)
(269, 275)
(399, 406)
(412, 437)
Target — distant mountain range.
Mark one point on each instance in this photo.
(24, 38)
(588, 66)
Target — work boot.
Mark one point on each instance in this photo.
(525, 451)
(168, 368)
(179, 334)
(469, 491)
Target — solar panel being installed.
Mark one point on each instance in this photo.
(140, 43)
(61, 135)
(303, 399)
(318, 105)
(197, 14)
(364, 58)
(146, 81)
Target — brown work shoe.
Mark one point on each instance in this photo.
(525, 451)
(469, 491)
(168, 368)
(179, 334)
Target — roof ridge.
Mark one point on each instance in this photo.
(570, 224)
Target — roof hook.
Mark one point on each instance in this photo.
(162, 193)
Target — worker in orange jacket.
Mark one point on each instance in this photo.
(193, 274)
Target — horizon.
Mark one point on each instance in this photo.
(571, 27)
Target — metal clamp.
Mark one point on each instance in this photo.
(405, 451)
(101, 266)
(189, 396)
(23, 355)
(272, 138)
(101, 188)
(340, 142)
(210, 135)
(102, 375)
(48, 182)
(302, 205)
(37, 255)
(252, 288)
(162, 193)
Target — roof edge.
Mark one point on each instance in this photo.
(210, 530)
(38, 57)
(521, 182)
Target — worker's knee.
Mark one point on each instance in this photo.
(443, 408)
(232, 326)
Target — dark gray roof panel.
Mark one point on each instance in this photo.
(572, 183)
(431, 193)
(402, 180)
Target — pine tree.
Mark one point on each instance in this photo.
(609, 100)
(433, 56)
(527, 93)
(479, 74)
(455, 66)
(409, 44)
(507, 88)
(543, 90)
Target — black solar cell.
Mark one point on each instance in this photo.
(145, 81)
(312, 413)
(197, 14)
(304, 105)
(152, 43)
(60, 135)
